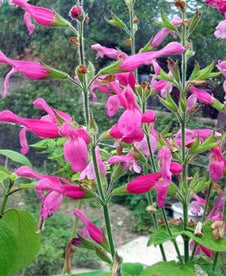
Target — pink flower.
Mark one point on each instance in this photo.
(89, 171)
(95, 232)
(50, 204)
(46, 127)
(205, 250)
(133, 62)
(217, 163)
(202, 95)
(75, 149)
(128, 160)
(104, 51)
(221, 30)
(32, 70)
(113, 105)
(218, 4)
(142, 184)
(163, 183)
(148, 117)
(222, 67)
(42, 16)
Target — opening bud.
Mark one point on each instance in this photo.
(76, 13)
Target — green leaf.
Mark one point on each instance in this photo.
(15, 156)
(4, 174)
(24, 228)
(8, 248)
(166, 23)
(132, 269)
(207, 239)
(90, 273)
(173, 189)
(169, 269)
(162, 235)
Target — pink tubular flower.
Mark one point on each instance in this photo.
(217, 163)
(95, 232)
(163, 183)
(46, 127)
(104, 51)
(133, 62)
(42, 16)
(128, 160)
(205, 250)
(75, 149)
(143, 144)
(89, 171)
(32, 70)
(142, 184)
(50, 204)
(202, 95)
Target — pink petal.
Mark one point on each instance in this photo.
(76, 153)
(28, 23)
(113, 104)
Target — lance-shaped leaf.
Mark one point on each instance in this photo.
(169, 103)
(15, 156)
(116, 21)
(112, 68)
(166, 23)
(194, 22)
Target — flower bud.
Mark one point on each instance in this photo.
(76, 13)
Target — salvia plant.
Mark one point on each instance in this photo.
(159, 161)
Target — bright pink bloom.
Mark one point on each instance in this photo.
(32, 70)
(75, 149)
(148, 117)
(200, 248)
(113, 105)
(126, 78)
(165, 158)
(95, 233)
(221, 30)
(89, 171)
(42, 16)
(46, 127)
(50, 204)
(128, 161)
(104, 51)
(218, 4)
(175, 168)
(142, 184)
(202, 95)
(133, 62)
(217, 163)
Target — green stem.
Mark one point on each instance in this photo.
(97, 174)
(215, 261)
(5, 198)
(81, 43)
(207, 201)
(170, 233)
(155, 222)
(86, 106)
(193, 251)
(185, 238)
(109, 232)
